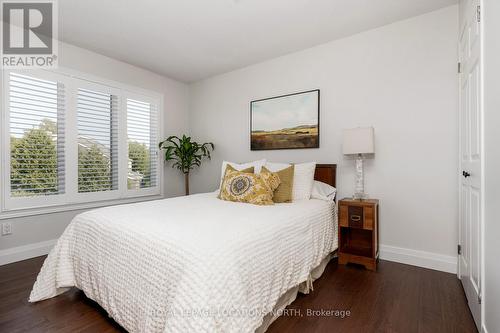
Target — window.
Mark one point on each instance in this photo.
(142, 144)
(73, 141)
(36, 130)
(97, 141)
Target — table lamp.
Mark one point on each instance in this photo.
(359, 142)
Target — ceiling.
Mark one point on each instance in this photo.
(189, 40)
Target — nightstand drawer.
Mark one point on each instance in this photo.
(357, 216)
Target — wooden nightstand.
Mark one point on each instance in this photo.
(358, 232)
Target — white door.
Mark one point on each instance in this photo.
(471, 157)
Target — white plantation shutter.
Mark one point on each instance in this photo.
(142, 135)
(36, 128)
(97, 115)
(68, 140)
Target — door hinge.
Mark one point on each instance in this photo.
(479, 300)
(459, 68)
(459, 249)
(478, 13)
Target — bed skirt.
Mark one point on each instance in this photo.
(288, 297)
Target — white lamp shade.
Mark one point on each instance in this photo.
(359, 141)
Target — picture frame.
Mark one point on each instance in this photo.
(290, 121)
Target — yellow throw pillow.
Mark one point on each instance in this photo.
(238, 186)
(230, 168)
(284, 192)
(272, 179)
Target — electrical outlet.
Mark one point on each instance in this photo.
(6, 228)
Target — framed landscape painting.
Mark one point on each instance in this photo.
(285, 122)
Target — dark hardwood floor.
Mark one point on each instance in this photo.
(397, 298)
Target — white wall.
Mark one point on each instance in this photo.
(401, 79)
(41, 228)
(491, 290)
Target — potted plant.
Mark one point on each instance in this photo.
(185, 154)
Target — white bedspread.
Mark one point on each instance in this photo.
(189, 264)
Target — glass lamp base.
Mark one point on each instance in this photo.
(359, 196)
(359, 189)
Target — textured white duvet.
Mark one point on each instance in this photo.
(189, 264)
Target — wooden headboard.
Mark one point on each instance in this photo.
(326, 173)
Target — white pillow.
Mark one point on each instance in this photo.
(274, 167)
(303, 177)
(323, 191)
(257, 165)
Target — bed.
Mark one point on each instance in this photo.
(195, 263)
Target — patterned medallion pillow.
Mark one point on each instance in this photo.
(231, 168)
(248, 187)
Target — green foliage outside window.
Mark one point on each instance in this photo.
(94, 170)
(34, 168)
(33, 160)
(139, 155)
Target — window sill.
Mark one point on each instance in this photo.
(8, 214)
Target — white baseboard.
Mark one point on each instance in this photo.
(423, 259)
(24, 252)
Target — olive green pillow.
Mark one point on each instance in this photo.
(284, 192)
(230, 168)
